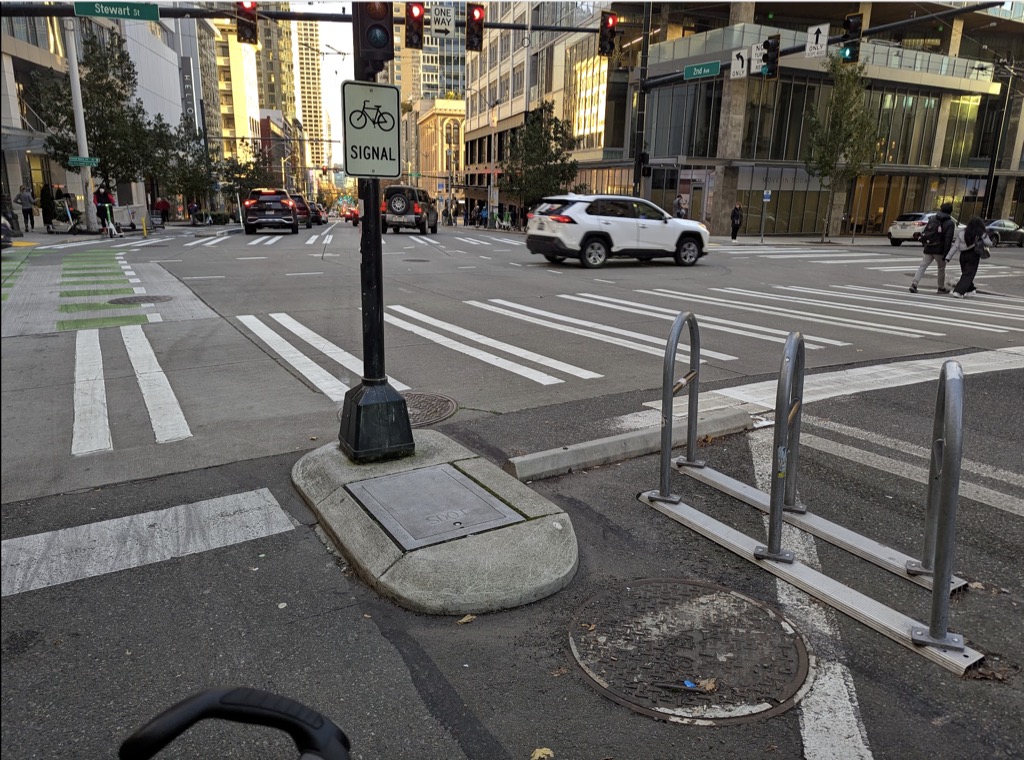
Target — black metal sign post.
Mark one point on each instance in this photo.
(374, 417)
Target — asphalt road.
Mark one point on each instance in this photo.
(86, 661)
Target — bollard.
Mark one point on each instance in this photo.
(786, 445)
(940, 514)
(668, 390)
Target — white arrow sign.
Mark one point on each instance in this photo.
(817, 41)
(738, 69)
(372, 137)
(442, 20)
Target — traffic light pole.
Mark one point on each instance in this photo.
(374, 417)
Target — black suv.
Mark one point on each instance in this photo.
(407, 206)
(305, 214)
(270, 207)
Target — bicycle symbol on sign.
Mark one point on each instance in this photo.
(380, 119)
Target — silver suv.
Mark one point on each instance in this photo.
(595, 228)
(408, 207)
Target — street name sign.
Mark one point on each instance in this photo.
(83, 161)
(372, 137)
(817, 41)
(738, 69)
(701, 70)
(129, 11)
(756, 64)
(442, 20)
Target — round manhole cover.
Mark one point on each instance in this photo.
(689, 652)
(428, 408)
(140, 299)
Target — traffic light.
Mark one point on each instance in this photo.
(245, 23)
(772, 47)
(414, 26)
(374, 31)
(606, 36)
(474, 27)
(853, 26)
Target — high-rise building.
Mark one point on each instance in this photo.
(239, 93)
(311, 110)
(276, 66)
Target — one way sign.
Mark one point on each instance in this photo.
(442, 20)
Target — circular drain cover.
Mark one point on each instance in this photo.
(140, 299)
(689, 652)
(428, 408)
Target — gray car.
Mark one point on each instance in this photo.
(404, 206)
(1005, 231)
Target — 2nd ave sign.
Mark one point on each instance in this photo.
(372, 136)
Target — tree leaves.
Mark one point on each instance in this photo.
(539, 161)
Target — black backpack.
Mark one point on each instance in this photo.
(931, 236)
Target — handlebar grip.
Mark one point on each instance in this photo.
(311, 731)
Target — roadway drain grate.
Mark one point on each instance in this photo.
(689, 652)
(140, 299)
(428, 408)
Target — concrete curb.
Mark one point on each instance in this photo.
(546, 464)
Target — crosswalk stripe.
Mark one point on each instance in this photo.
(215, 241)
(328, 239)
(272, 240)
(312, 239)
(329, 385)
(99, 548)
(530, 374)
(1006, 303)
(165, 413)
(197, 241)
(91, 430)
(471, 241)
(606, 328)
(522, 353)
(255, 241)
(324, 346)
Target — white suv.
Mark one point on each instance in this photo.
(594, 228)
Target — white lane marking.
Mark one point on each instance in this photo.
(301, 274)
(817, 255)
(522, 353)
(511, 263)
(947, 304)
(139, 291)
(99, 548)
(312, 240)
(610, 282)
(907, 332)
(195, 242)
(91, 431)
(656, 340)
(257, 241)
(272, 240)
(206, 277)
(485, 257)
(711, 323)
(329, 385)
(328, 239)
(324, 346)
(1004, 300)
(424, 241)
(576, 331)
(467, 267)
(164, 410)
(830, 722)
(484, 356)
(891, 260)
(250, 258)
(154, 317)
(215, 241)
(470, 241)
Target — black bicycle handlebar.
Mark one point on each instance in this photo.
(314, 735)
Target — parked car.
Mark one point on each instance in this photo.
(1005, 231)
(595, 228)
(909, 226)
(270, 207)
(404, 206)
(305, 215)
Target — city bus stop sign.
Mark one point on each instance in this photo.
(372, 135)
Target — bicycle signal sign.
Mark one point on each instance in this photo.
(372, 139)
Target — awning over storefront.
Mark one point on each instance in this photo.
(15, 139)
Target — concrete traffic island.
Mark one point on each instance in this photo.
(442, 531)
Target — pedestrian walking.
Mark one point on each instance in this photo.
(736, 219)
(937, 239)
(678, 209)
(163, 207)
(28, 204)
(483, 217)
(47, 207)
(972, 244)
(193, 212)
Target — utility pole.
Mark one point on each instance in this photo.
(641, 103)
(71, 42)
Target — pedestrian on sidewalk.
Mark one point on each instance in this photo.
(972, 244)
(27, 203)
(163, 207)
(736, 218)
(937, 239)
(47, 207)
(678, 207)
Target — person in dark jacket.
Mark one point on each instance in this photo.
(939, 250)
(966, 245)
(736, 219)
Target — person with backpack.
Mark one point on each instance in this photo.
(972, 244)
(937, 239)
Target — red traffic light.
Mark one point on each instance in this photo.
(248, 5)
(610, 20)
(477, 12)
(416, 10)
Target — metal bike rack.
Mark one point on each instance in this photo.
(941, 647)
(669, 389)
(943, 495)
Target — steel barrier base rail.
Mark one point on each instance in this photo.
(885, 557)
(861, 608)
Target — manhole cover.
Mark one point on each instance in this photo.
(689, 652)
(140, 299)
(428, 408)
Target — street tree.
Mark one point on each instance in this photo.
(115, 119)
(188, 166)
(539, 160)
(842, 132)
(240, 174)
